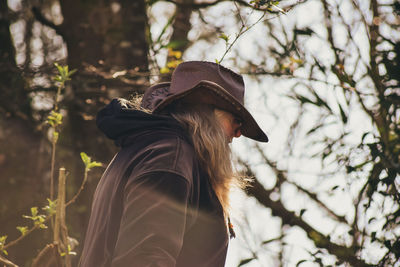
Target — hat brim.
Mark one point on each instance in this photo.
(211, 93)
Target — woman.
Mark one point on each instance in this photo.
(163, 200)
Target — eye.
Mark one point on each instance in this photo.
(237, 120)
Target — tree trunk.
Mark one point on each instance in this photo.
(22, 179)
(106, 36)
(102, 38)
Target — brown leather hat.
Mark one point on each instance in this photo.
(205, 82)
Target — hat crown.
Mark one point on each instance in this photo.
(204, 83)
(189, 74)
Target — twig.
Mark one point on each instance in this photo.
(73, 199)
(205, 5)
(60, 229)
(342, 252)
(54, 143)
(241, 32)
(53, 160)
(14, 242)
(281, 175)
(60, 212)
(195, 6)
(7, 262)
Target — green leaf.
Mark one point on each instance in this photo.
(51, 208)
(88, 162)
(173, 64)
(22, 229)
(277, 7)
(55, 136)
(343, 114)
(245, 261)
(72, 72)
(59, 68)
(224, 37)
(176, 44)
(270, 241)
(304, 100)
(164, 70)
(302, 212)
(2, 243)
(300, 262)
(315, 128)
(387, 244)
(54, 118)
(85, 158)
(42, 226)
(34, 211)
(63, 73)
(320, 102)
(334, 188)
(373, 236)
(94, 164)
(39, 221)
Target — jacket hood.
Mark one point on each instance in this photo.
(120, 122)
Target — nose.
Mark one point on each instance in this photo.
(235, 134)
(238, 133)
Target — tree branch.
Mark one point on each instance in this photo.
(7, 262)
(262, 195)
(205, 5)
(267, 8)
(282, 177)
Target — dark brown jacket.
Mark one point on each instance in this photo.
(154, 205)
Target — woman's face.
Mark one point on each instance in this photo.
(230, 124)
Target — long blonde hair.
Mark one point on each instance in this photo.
(211, 147)
(210, 144)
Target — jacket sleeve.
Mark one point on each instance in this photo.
(153, 221)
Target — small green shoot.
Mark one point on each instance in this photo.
(63, 73)
(51, 208)
(54, 119)
(22, 229)
(88, 162)
(38, 219)
(2, 244)
(224, 37)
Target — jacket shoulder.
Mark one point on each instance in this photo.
(169, 153)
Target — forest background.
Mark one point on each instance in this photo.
(322, 77)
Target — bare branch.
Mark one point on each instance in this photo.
(282, 177)
(328, 25)
(243, 29)
(344, 253)
(195, 6)
(7, 262)
(16, 241)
